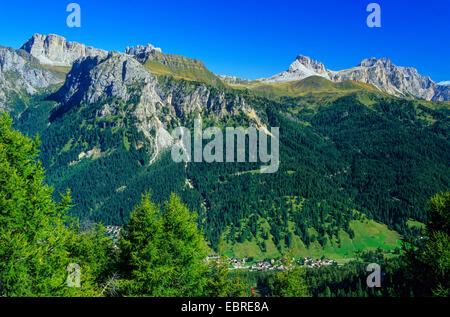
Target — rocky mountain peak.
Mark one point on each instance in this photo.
(120, 78)
(305, 62)
(149, 48)
(373, 61)
(95, 77)
(396, 80)
(379, 72)
(54, 50)
(302, 68)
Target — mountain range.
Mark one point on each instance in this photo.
(362, 150)
(54, 51)
(381, 73)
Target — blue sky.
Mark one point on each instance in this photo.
(248, 38)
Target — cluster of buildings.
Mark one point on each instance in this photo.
(271, 265)
(237, 264)
(311, 263)
(267, 266)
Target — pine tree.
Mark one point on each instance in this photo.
(35, 245)
(429, 264)
(163, 252)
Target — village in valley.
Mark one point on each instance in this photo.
(248, 264)
(272, 264)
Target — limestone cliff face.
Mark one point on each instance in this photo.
(54, 50)
(395, 80)
(140, 49)
(94, 78)
(442, 93)
(302, 68)
(155, 103)
(122, 76)
(20, 72)
(381, 73)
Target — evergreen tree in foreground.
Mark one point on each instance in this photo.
(429, 264)
(162, 254)
(36, 245)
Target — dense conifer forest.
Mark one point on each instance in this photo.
(356, 173)
(162, 251)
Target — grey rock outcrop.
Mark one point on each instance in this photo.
(20, 72)
(381, 73)
(142, 50)
(54, 50)
(94, 78)
(442, 93)
(232, 80)
(156, 105)
(122, 76)
(302, 68)
(395, 80)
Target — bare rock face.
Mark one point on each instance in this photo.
(302, 68)
(55, 51)
(443, 91)
(94, 78)
(119, 78)
(381, 73)
(20, 72)
(442, 94)
(395, 80)
(142, 50)
(233, 80)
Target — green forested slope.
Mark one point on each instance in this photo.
(341, 161)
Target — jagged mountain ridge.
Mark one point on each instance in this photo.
(96, 75)
(112, 108)
(395, 80)
(140, 49)
(54, 50)
(381, 73)
(122, 76)
(157, 104)
(302, 68)
(177, 66)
